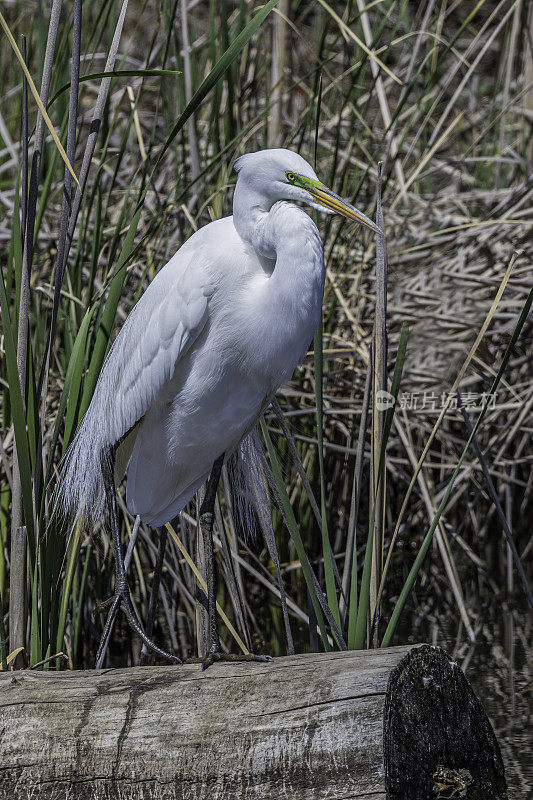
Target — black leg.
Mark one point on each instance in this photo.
(207, 517)
(122, 591)
(158, 569)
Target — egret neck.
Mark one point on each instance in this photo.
(284, 234)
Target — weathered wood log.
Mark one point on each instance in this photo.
(400, 723)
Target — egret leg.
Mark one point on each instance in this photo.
(207, 516)
(158, 569)
(122, 590)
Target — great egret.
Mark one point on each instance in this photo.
(220, 328)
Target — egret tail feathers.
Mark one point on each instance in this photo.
(249, 489)
(80, 490)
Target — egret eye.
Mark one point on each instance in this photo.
(290, 176)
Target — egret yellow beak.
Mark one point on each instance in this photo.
(325, 197)
(330, 200)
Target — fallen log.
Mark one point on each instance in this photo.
(401, 723)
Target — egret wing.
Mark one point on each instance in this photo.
(160, 329)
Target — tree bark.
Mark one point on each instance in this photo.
(331, 725)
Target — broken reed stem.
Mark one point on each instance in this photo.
(17, 596)
(379, 395)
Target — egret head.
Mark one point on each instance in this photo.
(283, 175)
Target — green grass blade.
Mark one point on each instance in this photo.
(74, 372)
(14, 267)
(35, 639)
(74, 379)
(351, 543)
(78, 610)
(117, 73)
(72, 555)
(357, 632)
(46, 188)
(295, 533)
(331, 591)
(32, 412)
(19, 421)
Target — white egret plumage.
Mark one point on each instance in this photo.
(220, 328)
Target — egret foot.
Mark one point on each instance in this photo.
(122, 599)
(210, 659)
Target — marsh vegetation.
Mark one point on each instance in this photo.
(403, 515)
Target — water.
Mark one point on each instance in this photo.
(499, 667)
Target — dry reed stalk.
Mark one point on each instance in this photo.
(154, 595)
(237, 596)
(90, 146)
(231, 531)
(63, 221)
(279, 65)
(379, 396)
(468, 74)
(513, 554)
(382, 97)
(17, 573)
(191, 122)
(440, 535)
(511, 55)
(203, 585)
(407, 87)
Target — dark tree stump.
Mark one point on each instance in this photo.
(438, 742)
